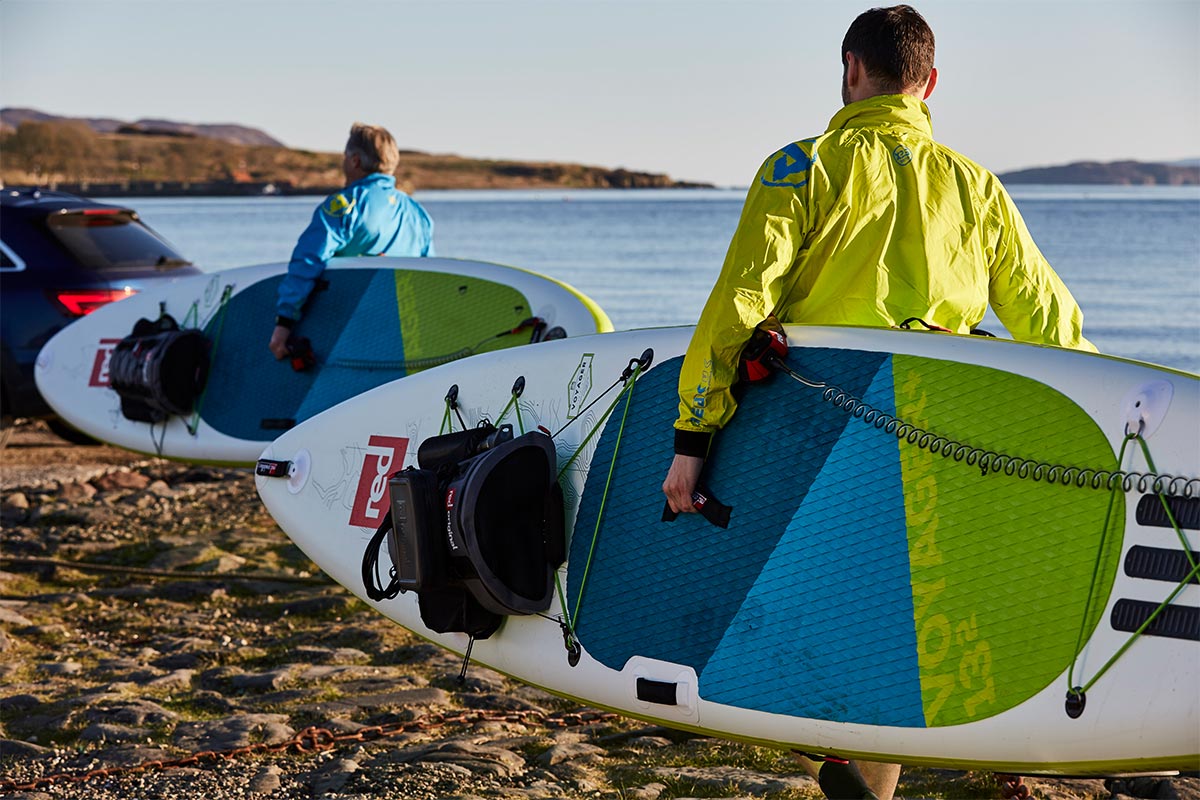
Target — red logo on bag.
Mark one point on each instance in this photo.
(100, 363)
(450, 499)
(384, 456)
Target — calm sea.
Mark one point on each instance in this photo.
(1131, 255)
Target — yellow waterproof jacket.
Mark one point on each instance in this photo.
(870, 224)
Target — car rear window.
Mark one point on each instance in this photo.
(111, 240)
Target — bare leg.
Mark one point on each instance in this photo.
(880, 778)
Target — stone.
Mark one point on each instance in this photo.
(570, 751)
(334, 776)
(318, 606)
(11, 616)
(650, 791)
(179, 679)
(161, 489)
(14, 748)
(239, 730)
(15, 704)
(494, 762)
(265, 781)
(404, 698)
(224, 562)
(263, 681)
(137, 712)
(177, 661)
(76, 492)
(61, 668)
(106, 732)
(16, 500)
(121, 479)
(329, 655)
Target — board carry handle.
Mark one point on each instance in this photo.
(709, 507)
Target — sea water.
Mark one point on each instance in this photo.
(1130, 255)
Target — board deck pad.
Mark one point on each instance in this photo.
(905, 617)
(364, 328)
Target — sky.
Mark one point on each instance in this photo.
(698, 89)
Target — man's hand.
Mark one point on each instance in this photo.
(279, 338)
(681, 482)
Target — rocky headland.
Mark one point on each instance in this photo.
(109, 158)
(151, 611)
(1123, 173)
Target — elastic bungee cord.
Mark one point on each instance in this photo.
(194, 423)
(193, 314)
(628, 377)
(1152, 482)
(1077, 695)
(517, 390)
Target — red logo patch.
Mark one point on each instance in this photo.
(384, 456)
(100, 364)
(450, 499)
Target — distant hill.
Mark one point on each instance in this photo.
(11, 118)
(1128, 173)
(108, 157)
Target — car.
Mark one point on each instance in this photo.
(63, 256)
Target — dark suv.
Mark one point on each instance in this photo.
(61, 257)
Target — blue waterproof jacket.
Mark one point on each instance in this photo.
(370, 217)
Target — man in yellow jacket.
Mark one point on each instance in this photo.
(870, 223)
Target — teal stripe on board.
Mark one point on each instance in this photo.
(371, 335)
(826, 632)
(246, 384)
(670, 591)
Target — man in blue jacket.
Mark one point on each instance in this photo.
(370, 217)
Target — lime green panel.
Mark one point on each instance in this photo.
(439, 311)
(992, 631)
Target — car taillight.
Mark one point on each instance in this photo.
(84, 301)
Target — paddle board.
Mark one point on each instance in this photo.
(923, 563)
(372, 320)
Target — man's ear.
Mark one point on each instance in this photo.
(932, 82)
(854, 69)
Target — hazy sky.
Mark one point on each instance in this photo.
(700, 90)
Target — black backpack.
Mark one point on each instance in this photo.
(159, 370)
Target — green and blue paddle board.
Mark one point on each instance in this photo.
(370, 321)
(941, 550)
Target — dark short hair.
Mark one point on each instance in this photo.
(895, 45)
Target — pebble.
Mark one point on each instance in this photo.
(266, 780)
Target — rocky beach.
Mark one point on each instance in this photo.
(151, 611)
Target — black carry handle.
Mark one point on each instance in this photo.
(300, 352)
(709, 507)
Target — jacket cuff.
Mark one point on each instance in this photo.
(285, 322)
(692, 443)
